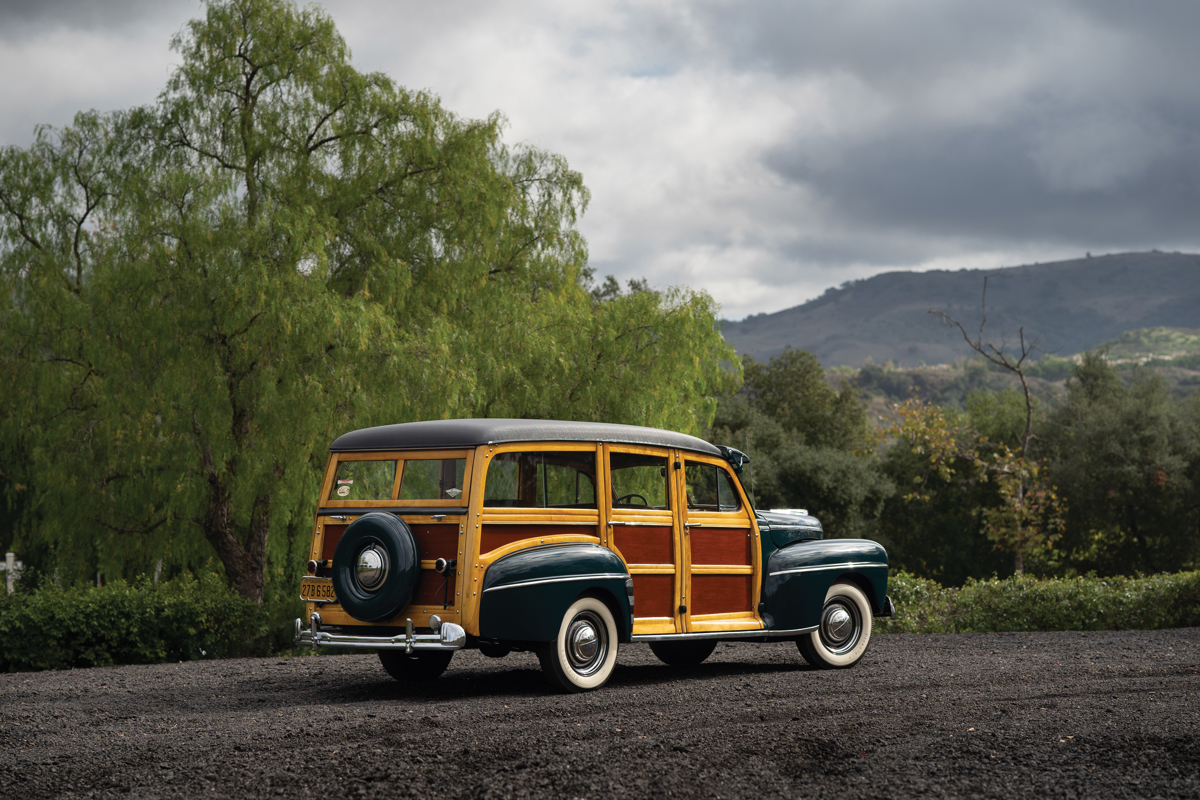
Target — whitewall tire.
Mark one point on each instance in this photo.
(844, 632)
(584, 653)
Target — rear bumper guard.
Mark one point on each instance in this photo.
(448, 636)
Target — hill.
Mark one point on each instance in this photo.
(1065, 306)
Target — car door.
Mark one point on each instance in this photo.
(643, 529)
(721, 556)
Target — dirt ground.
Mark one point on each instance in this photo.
(966, 715)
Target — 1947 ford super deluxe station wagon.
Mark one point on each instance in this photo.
(569, 539)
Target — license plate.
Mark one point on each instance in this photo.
(318, 590)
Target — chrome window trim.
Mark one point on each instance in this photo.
(599, 576)
(824, 567)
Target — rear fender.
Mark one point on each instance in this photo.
(526, 594)
(799, 576)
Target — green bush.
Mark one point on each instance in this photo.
(1022, 603)
(130, 623)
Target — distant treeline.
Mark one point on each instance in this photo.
(1118, 450)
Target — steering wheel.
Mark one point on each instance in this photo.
(645, 502)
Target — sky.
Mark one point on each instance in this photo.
(760, 151)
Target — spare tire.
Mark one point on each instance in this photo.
(375, 567)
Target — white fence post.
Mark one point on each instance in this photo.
(10, 570)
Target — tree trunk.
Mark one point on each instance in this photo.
(244, 566)
(1019, 563)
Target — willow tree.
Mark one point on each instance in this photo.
(201, 293)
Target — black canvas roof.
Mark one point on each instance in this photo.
(446, 433)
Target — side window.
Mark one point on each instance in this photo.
(433, 479)
(541, 480)
(363, 480)
(639, 481)
(709, 488)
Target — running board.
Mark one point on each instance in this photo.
(759, 635)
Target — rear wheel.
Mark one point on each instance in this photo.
(683, 653)
(845, 630)
(422, 665)
(584, 653)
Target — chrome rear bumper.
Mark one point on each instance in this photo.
(449, 636)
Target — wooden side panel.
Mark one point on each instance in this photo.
(495, 536)
(333, 535)
(429, 589)
(720, 594)
(436, 541)
(653, 595)
(721, 546)
(648, 545)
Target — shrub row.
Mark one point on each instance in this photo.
(1023, 603)
(130, 623)
(189, 618)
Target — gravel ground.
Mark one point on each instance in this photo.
(1010, 714)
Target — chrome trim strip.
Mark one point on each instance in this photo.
(666, 523)
(451, 636)
(354, 511)
(824, 567)
(583, 523)
(599, 576)
(758, 634)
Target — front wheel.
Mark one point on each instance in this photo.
(422, 665)
(584, 653)
(845, 630)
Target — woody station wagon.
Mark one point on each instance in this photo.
(569, 539)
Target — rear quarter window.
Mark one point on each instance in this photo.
(544, 479)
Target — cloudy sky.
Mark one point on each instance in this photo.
(762, 151)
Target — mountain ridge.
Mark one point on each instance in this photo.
(1064, 307)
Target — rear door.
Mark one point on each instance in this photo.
(643, 529)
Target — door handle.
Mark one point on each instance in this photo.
(688, 525)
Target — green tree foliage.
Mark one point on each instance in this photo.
(942, 537)
(1127, 456)
(791, 389)
(201, 293)
(1027, 517)
(810, 445)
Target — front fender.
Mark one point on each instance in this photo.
(799, 575)
(526, 594)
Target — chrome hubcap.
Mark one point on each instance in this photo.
(587, 643)
(371, 568)
(840, 626)
(837, 625)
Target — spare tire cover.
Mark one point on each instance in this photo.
(375, 567)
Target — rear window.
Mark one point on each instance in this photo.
(541, 480)
(364, 480)
(433, 479)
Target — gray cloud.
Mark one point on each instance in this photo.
(762, 151)
(24, 18)
(1090, 136)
